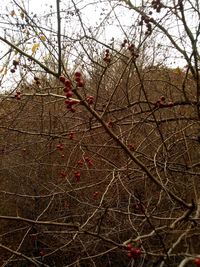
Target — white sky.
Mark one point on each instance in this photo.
(90, 14)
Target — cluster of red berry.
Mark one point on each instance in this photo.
(124, 43)
(70, 104)
(18, 95)
(145, 19)
(160, 103)
(80, 163)
(133, 252)
(131, 147)
(87, 160)
(67, 86)
(90, 99)
(68, 90)
(15, 64)
(157, 5)
(110, 123)
(37, 80)
(79, 79)
(133, 51)
(60, 147)
(107, 57)
(71, 135)
(131, 47)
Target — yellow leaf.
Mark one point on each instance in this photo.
(35, 47)
(42, 37)
(22, 15)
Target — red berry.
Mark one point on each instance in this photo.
(136, 252)
(197, 262)
(69, 107)
(107, 59)
(77, 79)
(72, 109)
(18, 97)
(42, 253)
(95, 194)
(71, 102)
(62, 78)
(67, 83)
(74, 101)
(129, 246)
(36, 78)
(129, 254)
(38, 82)
(68, 102)
(140, 23)
(80, 84)
(162, 98)
(77, 175)
(87, 159)
(77, 74)
(131, 147)
(90, 100)
(69, 94)
(59, 146)
(110, 124)
(15, 62)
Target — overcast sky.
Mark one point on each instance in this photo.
(90, 15)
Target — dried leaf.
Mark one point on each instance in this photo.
(12, 13)
(22, 15)
(35, 47)
(5, 71)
